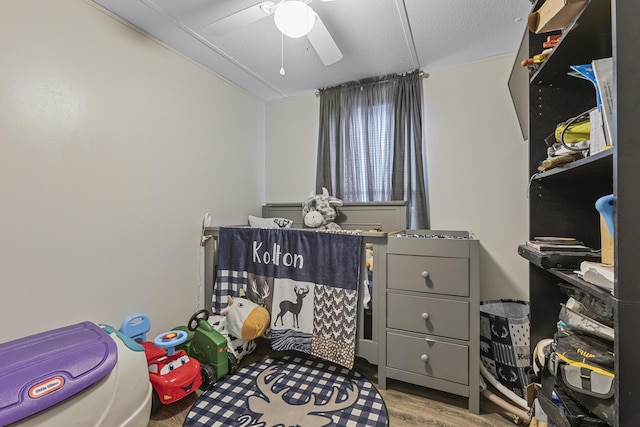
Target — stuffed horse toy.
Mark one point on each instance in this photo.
(241, 322)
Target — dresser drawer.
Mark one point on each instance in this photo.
(432, 358)
(426, 315)
(447, 276)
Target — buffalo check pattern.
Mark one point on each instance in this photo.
(290, 383)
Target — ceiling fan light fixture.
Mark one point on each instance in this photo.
(294, 18)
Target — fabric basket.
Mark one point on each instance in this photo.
(505, 342)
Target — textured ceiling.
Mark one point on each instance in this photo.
(376, 37)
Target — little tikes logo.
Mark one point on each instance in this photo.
(42, 389)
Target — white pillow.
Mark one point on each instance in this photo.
(258, 222)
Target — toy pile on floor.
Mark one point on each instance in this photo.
(103, 377)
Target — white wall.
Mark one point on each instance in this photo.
(477, 164)
(113, 147)
(292, 149)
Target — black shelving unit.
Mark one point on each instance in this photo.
(561, 200)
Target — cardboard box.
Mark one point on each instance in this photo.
(607, 243)
(538, 416)
(554, 15)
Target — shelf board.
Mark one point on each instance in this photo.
(568, 275)
(575, 280)
(600, 164)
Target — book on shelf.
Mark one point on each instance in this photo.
(596, 273)
(557, 239)
(559, 244)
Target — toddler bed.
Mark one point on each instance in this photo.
(325, 325)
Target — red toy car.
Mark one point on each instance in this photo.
(173, 374)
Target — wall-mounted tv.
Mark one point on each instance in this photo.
(519, 86)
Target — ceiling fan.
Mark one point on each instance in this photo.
(294, 18)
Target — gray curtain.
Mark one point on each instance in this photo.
(370, 145)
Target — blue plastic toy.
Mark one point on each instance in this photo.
(605, 206)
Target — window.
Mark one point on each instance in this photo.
(370, 143)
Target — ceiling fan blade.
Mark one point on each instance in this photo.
(323, 43)
(238, 20)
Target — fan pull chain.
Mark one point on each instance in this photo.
(306, 39)
(282, 54)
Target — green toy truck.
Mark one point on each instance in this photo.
(207, 346)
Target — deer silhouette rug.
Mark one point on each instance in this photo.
(290, 391)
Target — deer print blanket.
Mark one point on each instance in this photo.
(307, 280)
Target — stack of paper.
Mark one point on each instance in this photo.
(600, 73)
(597, 139)
(599, 274)
(603, 72)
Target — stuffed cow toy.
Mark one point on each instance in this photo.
(241, 322)
(319, 211)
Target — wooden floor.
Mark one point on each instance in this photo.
(407, 405)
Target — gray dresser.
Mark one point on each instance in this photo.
(432, 317)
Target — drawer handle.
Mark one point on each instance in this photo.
(425, 316)
(425, 274)
(424, 358)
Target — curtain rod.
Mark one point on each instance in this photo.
(421, 74)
